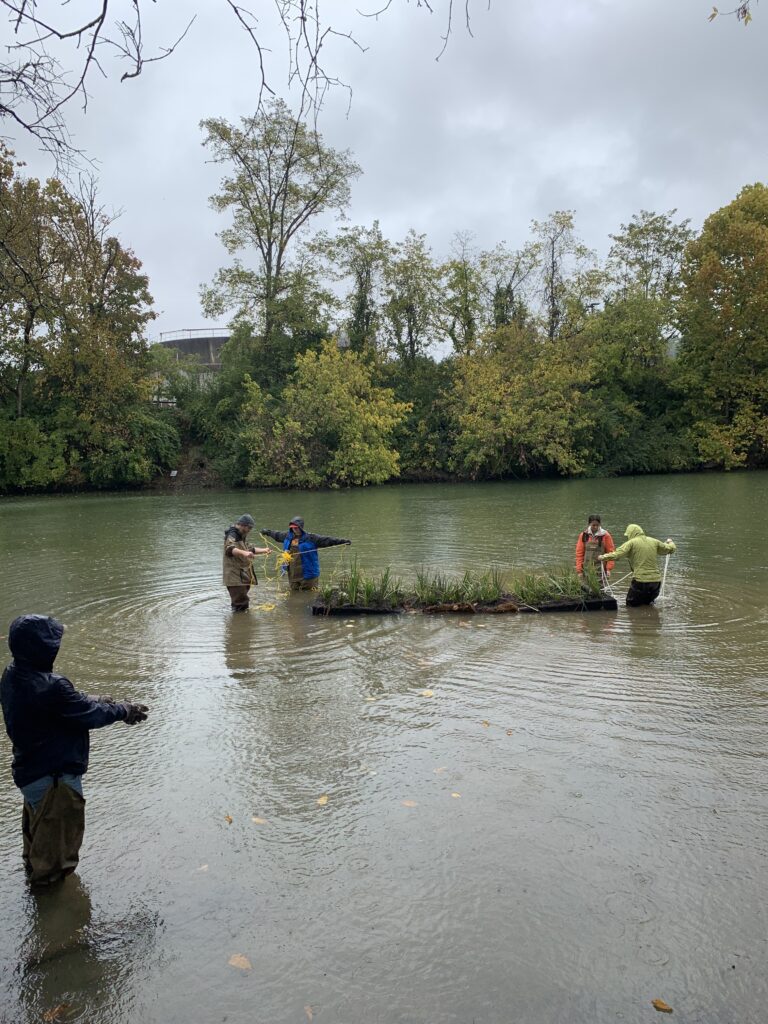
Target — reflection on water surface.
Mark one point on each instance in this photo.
(572, 825)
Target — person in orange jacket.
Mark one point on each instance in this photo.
(593, 542)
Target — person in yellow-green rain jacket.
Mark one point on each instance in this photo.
(642, 554)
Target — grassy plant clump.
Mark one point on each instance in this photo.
(537, 588)
(533, 589)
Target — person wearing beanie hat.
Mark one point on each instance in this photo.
(592, 542)
(300, 549)
(238, 562)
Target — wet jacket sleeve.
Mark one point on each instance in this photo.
(580, 553)
(666, 547)
(609, 546)
(278, 535)
(325, 542)
(621, 552)
(79, 711)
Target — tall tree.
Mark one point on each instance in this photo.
(410, 309)
(647, 254)
(33, 262)
(566, 269)
(724, 328)
(360, 256)
(281, 176)
(460, 310)
(507, 278)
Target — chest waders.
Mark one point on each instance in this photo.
(593, 546)
(53, 834)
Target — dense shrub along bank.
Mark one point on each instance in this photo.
(360, 360)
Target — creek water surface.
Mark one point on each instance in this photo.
(575, 823)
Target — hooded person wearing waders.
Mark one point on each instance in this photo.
(300, 552)
(593, 542)
(238, 558)
(48, 722)
(642, 554)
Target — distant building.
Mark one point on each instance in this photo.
(205, 344)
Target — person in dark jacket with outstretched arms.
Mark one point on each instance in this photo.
(49, 724)
(300, 552)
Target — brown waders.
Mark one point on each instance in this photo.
(239, 597)
(53, 834)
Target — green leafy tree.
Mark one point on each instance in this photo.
(724, 332)
(360, 256)
(520, 408)
(507, 278)
(33, 263)
(569, 282)
(333, 426)
(460, 309)
(412, 291)
(281, 176)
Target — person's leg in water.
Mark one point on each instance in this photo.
(238, 595)
(305, 584)
(642, 593)
(53, 825)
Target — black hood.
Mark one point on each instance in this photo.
(35, 640)
(299, 522)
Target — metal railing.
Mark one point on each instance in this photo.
(196, 332)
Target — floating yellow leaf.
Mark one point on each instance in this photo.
(456, 796)
(322, 800)
(56, 1012)
(265, 607)
(510, 732)
(409, 803)
(371, 700)
(228, 818)
(661, 1006)
(259, 821)
(439, 771)
(242, 963)
(203, 867)
(427, 693)
(486, 725)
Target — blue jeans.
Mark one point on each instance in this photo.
(35, 791)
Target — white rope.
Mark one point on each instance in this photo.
(663, 578)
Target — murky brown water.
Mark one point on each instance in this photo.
(576, 822)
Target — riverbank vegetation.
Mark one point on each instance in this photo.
(355, 359)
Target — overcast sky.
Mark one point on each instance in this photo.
(605, 107)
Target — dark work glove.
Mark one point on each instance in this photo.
(347, 541)
(135, 713)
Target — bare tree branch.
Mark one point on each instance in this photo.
(52, 57)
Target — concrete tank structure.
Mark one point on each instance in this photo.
(205, 344)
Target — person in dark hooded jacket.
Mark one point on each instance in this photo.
(49, 722)
(300, 552)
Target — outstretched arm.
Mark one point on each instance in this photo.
(278, 535)
(620, 552)
(80, 711)
(325, 542)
